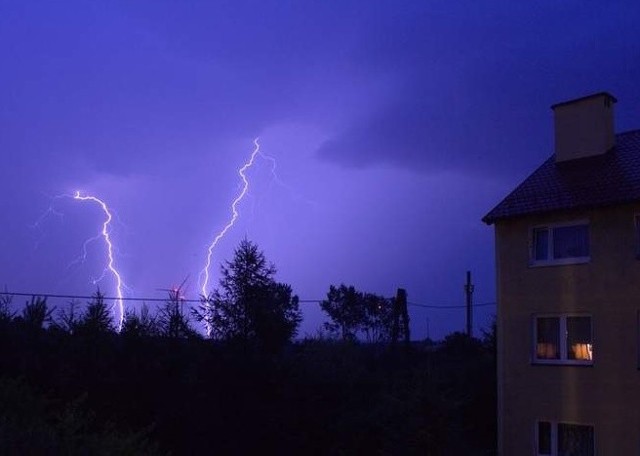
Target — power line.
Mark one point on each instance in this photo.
(106, 298)
(138, 299)
(461, 306)
(109, 298)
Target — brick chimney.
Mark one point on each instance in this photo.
(584, 126)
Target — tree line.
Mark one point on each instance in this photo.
(70, 384)
(249, 308)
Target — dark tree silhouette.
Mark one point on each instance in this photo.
(29, 426)
(6, 314)
(143, 325)
(68, 318)
(172, 321)
(344, 306)
(36, 313)
(96, 318)
(88, 393)
(250, 306)
(378, 318)
(489, 337)
(354, 313)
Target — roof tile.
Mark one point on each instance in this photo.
(610, 178)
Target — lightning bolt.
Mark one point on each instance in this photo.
(274, 165)
(204, 274)
(83, 255)
(51, 210)
(105, 233)
(276, 178)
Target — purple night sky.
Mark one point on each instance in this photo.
(395, 125)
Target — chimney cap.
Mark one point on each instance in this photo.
(594, 95)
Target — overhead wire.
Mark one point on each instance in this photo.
(457, 306)
(192, 300)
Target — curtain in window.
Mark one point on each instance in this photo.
(548, 338)
(575, 440)
(579, 338)
(571, 241)
(541, 244)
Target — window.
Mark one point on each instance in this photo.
(638, 335)
(544, 438)
(564, 439)
(560, 244)
(564, 339)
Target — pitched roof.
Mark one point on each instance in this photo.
(610, 178)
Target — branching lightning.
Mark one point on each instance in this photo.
(274, 165)
(278, 181)
(51, 210)
(204, 274)
(105, 233)
(83, 255)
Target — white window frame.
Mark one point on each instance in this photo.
(564, 353)
(636, 233)
(550, 261)
(638, 335)
(554, 435)
(553, 438)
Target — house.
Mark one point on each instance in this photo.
(568, 284)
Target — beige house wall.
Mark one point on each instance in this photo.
(605, 394)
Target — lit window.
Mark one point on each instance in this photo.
(560, 244)
(564, 439)
(548, 338)
(563, 339)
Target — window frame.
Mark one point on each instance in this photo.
(636, 232)
(550, 227)
(563, 345)
(638, 336)
(554, 435)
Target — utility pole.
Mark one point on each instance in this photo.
(400, 326)
(402, 297)
(468, 290)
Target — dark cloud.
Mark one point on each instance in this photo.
(470, 86)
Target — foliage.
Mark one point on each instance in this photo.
(96, 318)
(378, 318)
(249, 306)
(352, 312)
(36, 313)
(316, 397)
(344, 307)
(6, 314)
(172, 321)
(143, 325)
(68, 318)
(32, 424)
(489, 337)
(163, 390)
